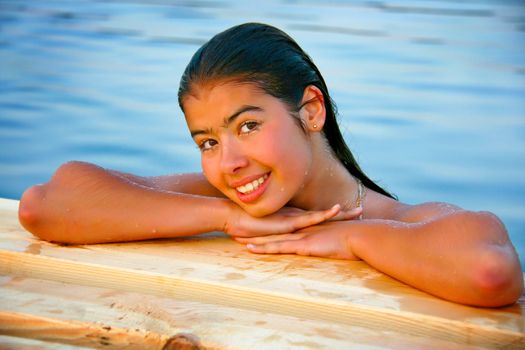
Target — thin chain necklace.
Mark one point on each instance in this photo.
(360, 196)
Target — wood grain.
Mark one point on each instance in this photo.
(77, 333)
(213, 326)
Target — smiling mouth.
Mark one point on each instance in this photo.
(252, 186)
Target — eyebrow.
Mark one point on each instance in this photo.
(230, 119)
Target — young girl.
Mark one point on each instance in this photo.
(278, 177)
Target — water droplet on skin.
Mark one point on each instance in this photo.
(68, 210)
(282, 189)
(154, 231)
(136, 225)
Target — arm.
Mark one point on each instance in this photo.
(191, 183)
(458, 255)
(84, 203)
(461, 256)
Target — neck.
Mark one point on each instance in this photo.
(327, 184)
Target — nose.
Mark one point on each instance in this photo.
(232, 157)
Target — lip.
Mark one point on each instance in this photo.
(254, 195)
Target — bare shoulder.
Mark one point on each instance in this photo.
(382, 207)
(424, 211)
(451, 217)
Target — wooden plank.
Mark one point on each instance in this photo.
(78, 333)
(17, 343)
(213, 269)
(42, 310)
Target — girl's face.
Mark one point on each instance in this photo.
(252, 149)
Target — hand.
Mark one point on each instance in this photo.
(286, 220)
(328, 240)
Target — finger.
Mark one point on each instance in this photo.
(299, 247)
(315, 217)
(272, 238)
(333, 211)
(353, 213)
(279, 247)
(348, 214)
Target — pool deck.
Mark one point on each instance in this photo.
(209, 290)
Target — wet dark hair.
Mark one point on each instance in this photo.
(266, 56)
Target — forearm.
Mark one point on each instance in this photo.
(454, 257)
(144, 214)
(91, 205)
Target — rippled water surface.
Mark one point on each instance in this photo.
(431, 94)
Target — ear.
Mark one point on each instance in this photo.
(313, 112)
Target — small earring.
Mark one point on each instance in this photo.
(315, 126)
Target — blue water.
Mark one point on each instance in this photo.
(431, 94)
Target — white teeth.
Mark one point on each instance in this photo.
(252, 186)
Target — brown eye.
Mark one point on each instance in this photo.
(248, 126)
(207, 144)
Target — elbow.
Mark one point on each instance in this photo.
(35, 217)
(40, 210)
(30, 209)
(498, 280)
(497, 276)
